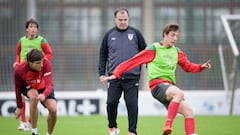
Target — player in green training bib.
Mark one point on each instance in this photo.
(162, 59)
(25, 44)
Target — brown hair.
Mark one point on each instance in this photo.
(34, 55)
(31, 21)
(121, 9)
(170, 27)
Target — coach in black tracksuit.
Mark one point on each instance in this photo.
(119, 44)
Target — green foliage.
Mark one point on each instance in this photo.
(147, 125)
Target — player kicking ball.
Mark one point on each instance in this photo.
(162, 59)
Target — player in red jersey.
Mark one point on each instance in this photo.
(29, 41)
(33, 79)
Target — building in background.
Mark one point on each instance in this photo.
(74, 28)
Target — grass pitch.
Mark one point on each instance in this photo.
(147, 125)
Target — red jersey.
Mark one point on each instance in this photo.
(148, 55)
(24, 77)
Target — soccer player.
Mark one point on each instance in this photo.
(33, 79)
(119, 44)
(29, 41)
(162, 59)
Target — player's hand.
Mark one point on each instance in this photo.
(104, 78)
(206, 65)
(18, 112)
(110, 77)
(41, 97)
(15, 64)
(101, 79)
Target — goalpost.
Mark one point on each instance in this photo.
(229, 54)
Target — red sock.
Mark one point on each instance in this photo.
(23, 118)
(189, 126)
(172, 112)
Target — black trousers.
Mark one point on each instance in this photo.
(130, 89)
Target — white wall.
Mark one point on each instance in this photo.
(203, 102)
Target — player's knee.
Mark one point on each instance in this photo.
(34, 100)
(179, 95)
(52, 110)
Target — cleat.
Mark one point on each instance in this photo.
(167, 130)
(114, 131)
(118, 130)
(21, 126)
(27, 126)
(34, 133)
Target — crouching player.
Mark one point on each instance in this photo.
(33, 79)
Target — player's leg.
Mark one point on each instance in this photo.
(175, 96)
(24, 125)
(113, 96)
(170, 96)
(131, 100)
(51, 105)
(23, 117)
(33, 99)
(189, 123)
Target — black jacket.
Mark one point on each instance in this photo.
(118, 46)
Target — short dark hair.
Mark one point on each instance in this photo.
(170, 27)
(121, 9)
(29, 22)
(35, 55)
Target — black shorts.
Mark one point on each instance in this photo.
(159, 93)
(50, 96)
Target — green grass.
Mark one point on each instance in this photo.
(147, 125)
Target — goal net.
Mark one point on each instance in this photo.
(229, 54)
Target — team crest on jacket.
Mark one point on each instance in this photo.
(130, 36)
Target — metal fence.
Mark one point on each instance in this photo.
(74, 29)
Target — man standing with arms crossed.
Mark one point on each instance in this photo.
(119, 44)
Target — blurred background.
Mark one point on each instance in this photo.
(75, 28)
